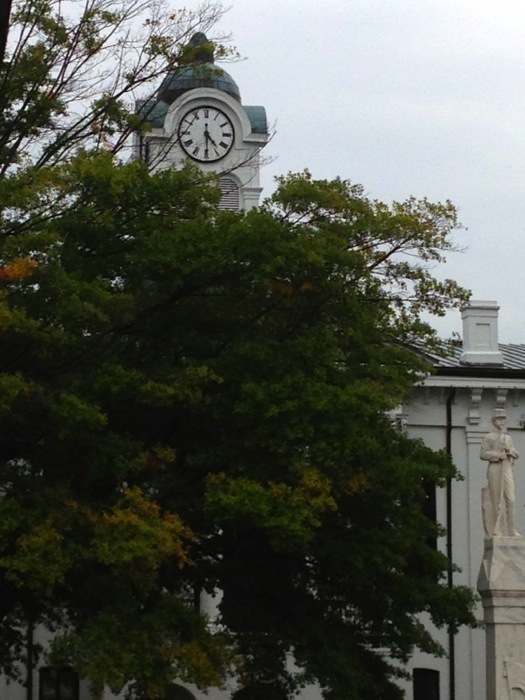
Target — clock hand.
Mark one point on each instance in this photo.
(206, 144)
(208, 137)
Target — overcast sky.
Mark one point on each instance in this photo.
(407, 97)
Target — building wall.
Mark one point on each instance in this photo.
(425, 417)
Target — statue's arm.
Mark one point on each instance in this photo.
(488, 453)
(513, 452)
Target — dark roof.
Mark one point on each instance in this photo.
(153, 112)
(257, 116)
(513, 358)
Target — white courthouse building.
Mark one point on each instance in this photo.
(452, 410)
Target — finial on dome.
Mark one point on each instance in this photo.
(202, 49)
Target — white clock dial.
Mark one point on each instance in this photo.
(206, 134)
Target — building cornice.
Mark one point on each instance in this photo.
(504, 380)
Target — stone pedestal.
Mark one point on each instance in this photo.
(501, 584)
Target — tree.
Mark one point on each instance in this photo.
(196, 401)
(5, 12)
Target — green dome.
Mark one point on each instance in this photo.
(202, 73)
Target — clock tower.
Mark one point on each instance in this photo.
(197, 115)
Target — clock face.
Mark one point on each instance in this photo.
(206, 134)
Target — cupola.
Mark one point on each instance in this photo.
(202, 73)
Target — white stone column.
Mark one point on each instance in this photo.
(470, 643)
(501, 584)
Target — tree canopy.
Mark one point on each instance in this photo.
(195, 401)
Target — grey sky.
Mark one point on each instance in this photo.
(421, 97)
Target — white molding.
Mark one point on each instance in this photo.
(473, 383)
